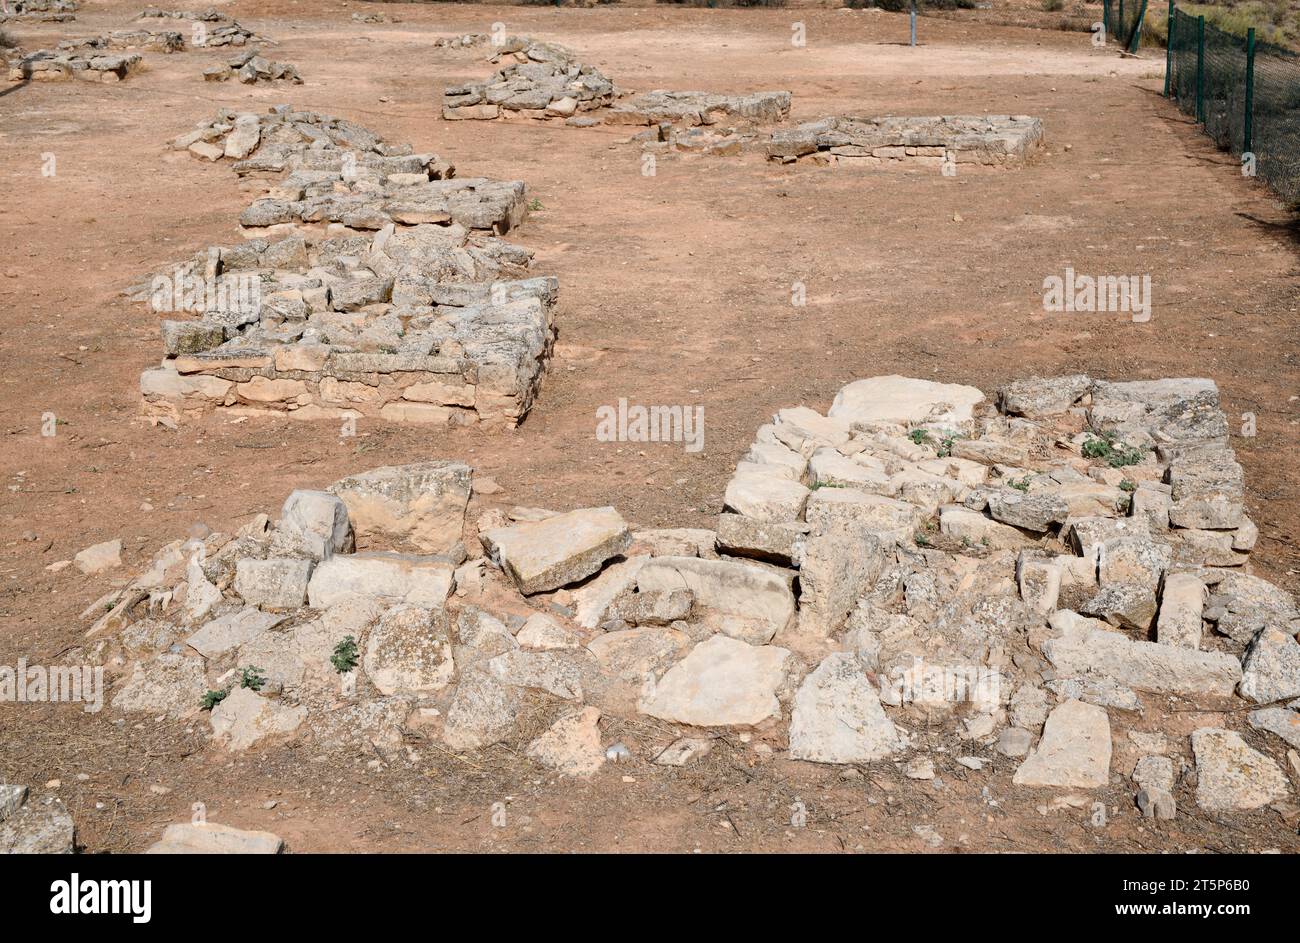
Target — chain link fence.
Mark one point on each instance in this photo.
(1244, 93)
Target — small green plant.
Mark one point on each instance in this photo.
(344, 658)
(252, 678)
(1115, 454)
(212, 698)
(945, 444)
(534, 205)
(921, 539)
(1021, 484)
(1128, 485)
(919, 436)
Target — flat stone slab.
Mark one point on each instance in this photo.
(972, 140)
(36, 828)
(723, 682)
(389, 576)
(213, 839)
(1271, 668)
(907, 402)
(408, 651)
(1085, 650)
(1074, 752)
(742, 600)
(837, 716)
(1230, 776)
(548, 554)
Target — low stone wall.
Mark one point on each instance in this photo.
(393, 338)
(988, 140)
(56, 65)
(689, 109)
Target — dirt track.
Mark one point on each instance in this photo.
(674, 290)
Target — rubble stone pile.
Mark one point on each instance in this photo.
(991, 140)
(1037, 590)
(250, 67)
(371, 285)
(547, 82)
(217, 28)
(516, 47)
(40, 11)
(327, 170)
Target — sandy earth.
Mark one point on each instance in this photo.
(675, 289)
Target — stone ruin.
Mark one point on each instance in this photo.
(326, 170)
(39, 11)
(1032, 590)
(548, 82)
(59, 64)
(890, 143)
(514, 46)
(250, 67)
(690, 109)
(98, 59)
(217, 29)
(166, 41)
(425, 323)
(372, 284)
(987, 140)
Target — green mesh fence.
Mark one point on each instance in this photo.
(1275, 140)
(1248, 100)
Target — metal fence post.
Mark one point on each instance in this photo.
(1169, 47)
(1119, 27)
(1136, 40)
(1105, 19)
(1200, 69)
(1248, 133)
(912, 23)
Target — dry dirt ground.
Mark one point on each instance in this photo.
(675, 290)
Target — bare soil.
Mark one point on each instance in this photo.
(675, 289)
